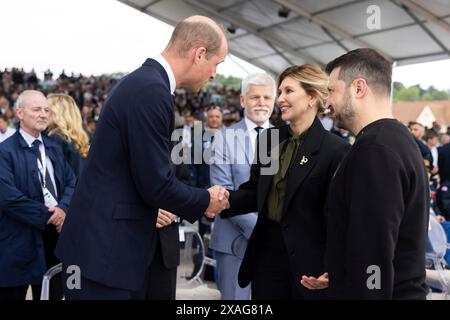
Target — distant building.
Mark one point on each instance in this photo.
(424, 112)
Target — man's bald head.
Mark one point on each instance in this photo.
(197, 31)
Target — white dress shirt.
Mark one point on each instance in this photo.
(435, 154)
(252, 132)
(163, 62)
(187, 139)
(29, 140)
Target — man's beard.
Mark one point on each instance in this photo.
(260, 116)
(344, 118)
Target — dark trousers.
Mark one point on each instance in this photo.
(50, 236)
(272, 277)
(162, 280)
(13, 293)
(92, 290)
(159, 284)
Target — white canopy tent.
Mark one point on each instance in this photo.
(275, 34)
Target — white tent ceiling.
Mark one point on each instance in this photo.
(316, 31)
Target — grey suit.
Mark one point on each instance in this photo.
(229, 236)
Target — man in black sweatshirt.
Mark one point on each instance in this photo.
(378, 203)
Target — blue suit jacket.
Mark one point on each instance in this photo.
(231, 235)
(23, 215)
(127, 176)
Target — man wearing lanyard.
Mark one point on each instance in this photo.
(36, 185)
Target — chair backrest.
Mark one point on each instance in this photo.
(436, 249)
(53, 271)
(437, 240)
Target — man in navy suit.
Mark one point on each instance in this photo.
(36, 184)
(109, 234)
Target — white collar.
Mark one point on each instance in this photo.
(29, 139)
(251, 125)
(163, 62)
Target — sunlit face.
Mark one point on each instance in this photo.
(339, 101)
(214, 119)
(293, 100)
(417, 131)
(34, 114)
(205, 69)
(433, 141)
(188, 120)
(258, 103)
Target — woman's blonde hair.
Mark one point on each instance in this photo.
(66, 121)
(312, 79)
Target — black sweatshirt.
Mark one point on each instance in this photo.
(378, 209)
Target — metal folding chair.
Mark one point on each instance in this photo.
(436, 249)
(197, 278)
(53, 271)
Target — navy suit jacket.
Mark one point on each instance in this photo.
(23, 215)
(127, 176)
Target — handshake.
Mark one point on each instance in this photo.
(218, 201)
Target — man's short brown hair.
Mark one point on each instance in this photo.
(364, 63)
(430, 134)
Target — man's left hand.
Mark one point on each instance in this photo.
(164, 218)
(57, 218)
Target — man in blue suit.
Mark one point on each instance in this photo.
(36, 185)
(230, 168)
(109, 234)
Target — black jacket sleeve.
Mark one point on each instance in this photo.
(375, 180)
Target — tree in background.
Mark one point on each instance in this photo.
(416, 93)
(229, 82)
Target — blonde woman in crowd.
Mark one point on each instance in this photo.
(67, 129)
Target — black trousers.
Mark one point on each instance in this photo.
(272, 277)
(92, 290)
(13, 293)
(50, 236)
(159, 284)
(162, 280)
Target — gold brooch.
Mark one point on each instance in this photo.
(304, 160)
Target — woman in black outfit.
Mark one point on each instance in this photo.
(290, 235)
